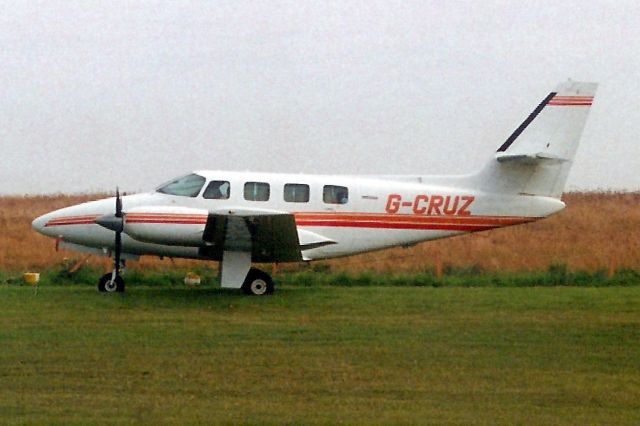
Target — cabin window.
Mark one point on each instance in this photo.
(217, 190)
(333, 194)
(256, 191)
(296, 193)
(185, 186)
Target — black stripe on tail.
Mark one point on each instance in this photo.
(526, 122)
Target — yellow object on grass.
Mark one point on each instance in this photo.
(192, 279)
(31, 278)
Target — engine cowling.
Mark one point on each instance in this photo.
(168, 225)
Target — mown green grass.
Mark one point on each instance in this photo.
(555, 275)
(425, 355)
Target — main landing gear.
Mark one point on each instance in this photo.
(257, 283)
(236, 272)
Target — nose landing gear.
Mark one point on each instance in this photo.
(110, 284)
(113, 282)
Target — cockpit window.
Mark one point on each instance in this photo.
(185, 186)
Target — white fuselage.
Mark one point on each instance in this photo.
(376, 213)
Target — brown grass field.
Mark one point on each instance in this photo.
(596, 231)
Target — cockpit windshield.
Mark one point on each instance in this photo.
(185, 186)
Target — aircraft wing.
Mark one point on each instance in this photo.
(269, 235)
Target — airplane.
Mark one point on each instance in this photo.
(241, 218)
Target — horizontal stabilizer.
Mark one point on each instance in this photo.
(533, 159)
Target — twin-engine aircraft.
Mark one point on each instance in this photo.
(240, 218)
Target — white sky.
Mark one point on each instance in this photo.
(99, 94)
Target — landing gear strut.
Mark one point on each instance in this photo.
(257, 283)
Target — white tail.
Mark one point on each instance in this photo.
(536, 158)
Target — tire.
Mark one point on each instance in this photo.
(257, 283)
(107, 286)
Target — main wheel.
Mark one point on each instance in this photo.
(106, 284)
(257, 283)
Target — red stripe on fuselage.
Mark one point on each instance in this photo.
(168, 221)
(340, 220)
(166, 218)
(400, 225)
(453, 223)
(72, 220)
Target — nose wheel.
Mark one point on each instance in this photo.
(109, 283)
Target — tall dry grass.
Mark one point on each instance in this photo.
(595, 231)
(20, 246)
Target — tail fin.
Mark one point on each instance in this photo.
(536, 158)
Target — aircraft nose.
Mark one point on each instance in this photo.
(39, 223)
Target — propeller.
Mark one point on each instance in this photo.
(115, 222)
(118, 244)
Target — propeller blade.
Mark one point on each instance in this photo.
(116, 223)
(117, 252)
(118, 203)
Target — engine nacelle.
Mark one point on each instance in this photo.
(168, 225)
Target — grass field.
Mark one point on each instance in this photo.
(558, 355)
(549, 333)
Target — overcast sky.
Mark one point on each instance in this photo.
(99, 94)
